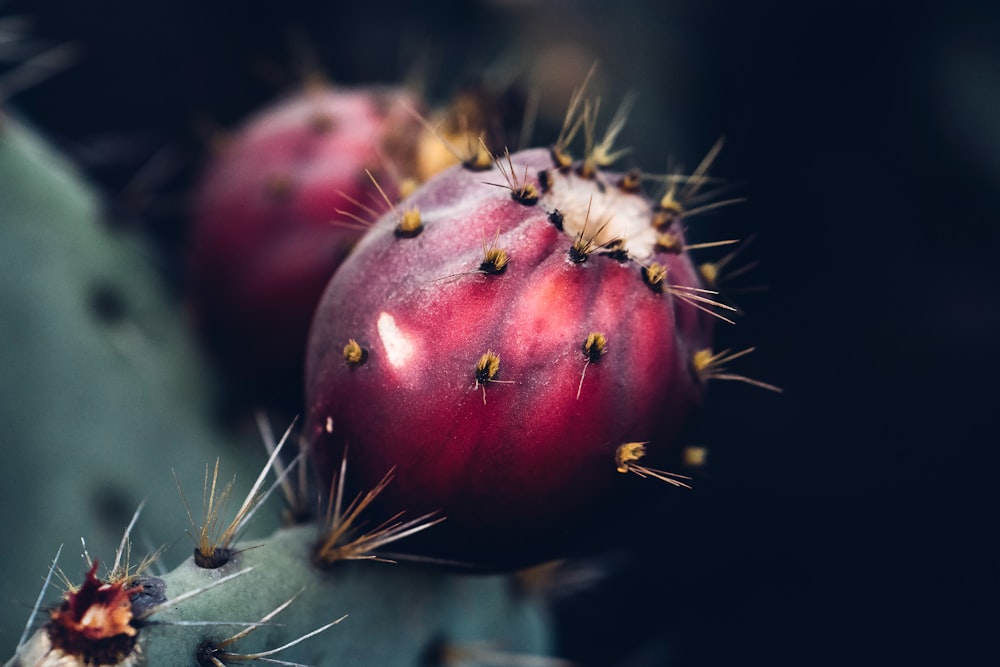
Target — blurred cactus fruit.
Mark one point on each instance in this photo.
(510, 340)
(274, 216)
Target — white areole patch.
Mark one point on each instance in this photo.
(613, 214)
(398, 348)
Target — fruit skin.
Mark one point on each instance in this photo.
(267, 234)
(521, 465)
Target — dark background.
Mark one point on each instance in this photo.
(844, 521)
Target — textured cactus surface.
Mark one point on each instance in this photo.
(396, 615)
(500, 357)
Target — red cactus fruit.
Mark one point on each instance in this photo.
(268, 228)
(511, 356)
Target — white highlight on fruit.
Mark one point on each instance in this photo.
(613, 214)
(398, 348)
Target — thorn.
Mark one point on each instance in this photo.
(698, 176)
(214, 545)
(655, 276)
(263, 621)
(258, 501)
(124, 544)
(672, 242)
(475, 157)
(219, 657)
(208, 541)
(583, 247)
(86, 553)
(602, 154)
(408, 223)
(692, 296)
(338, 541)
(628, 454)
(571, 124)
(38, 602)
(714, 205)
(521, 189)
(673, 204)
(708, 366)
(594, 348)
(495, 261)
(486, 371)
(296, 501)
(714, 273)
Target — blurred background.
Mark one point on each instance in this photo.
(844, 520)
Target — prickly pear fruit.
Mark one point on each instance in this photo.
(270, 226)
(510, 341)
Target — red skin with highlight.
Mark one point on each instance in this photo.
(521, 477)
(267, 234)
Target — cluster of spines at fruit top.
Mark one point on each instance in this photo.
(110, 620)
